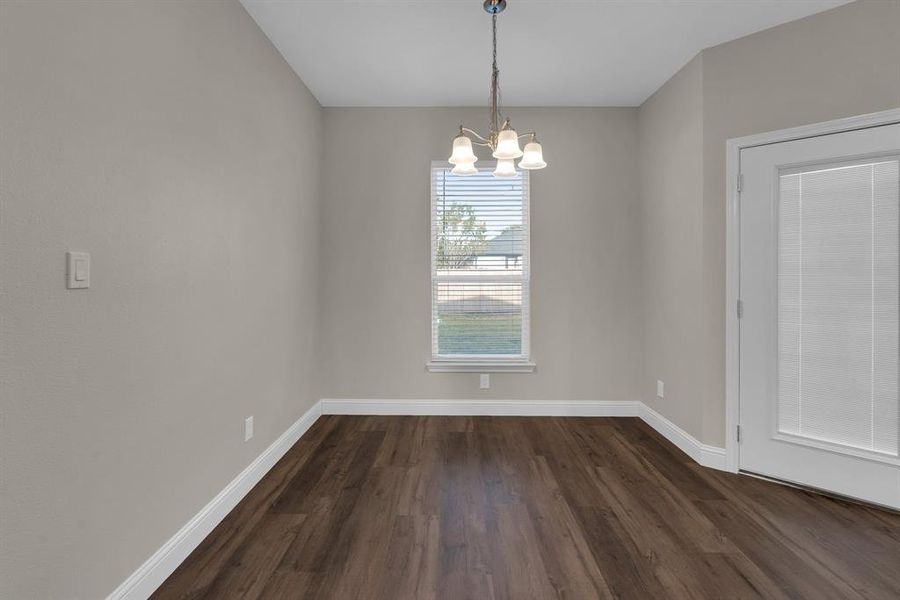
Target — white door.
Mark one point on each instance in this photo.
(820, 256)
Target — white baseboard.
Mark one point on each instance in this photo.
(484, 408)
(708, 456)
(713, 457)
(150, 575)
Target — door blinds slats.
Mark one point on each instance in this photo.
(838, 305)
(479, 264)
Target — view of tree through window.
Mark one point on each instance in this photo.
(462, 239)
(480, 264)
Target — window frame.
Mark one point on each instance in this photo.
(482, 363)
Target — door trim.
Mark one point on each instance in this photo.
(733, 149)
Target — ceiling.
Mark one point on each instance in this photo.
(550, 52)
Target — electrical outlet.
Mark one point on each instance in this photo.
(485, 382)
(660, 389)
(248, 428)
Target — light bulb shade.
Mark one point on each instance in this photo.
(507, 145)
(533, 158)
(463, 169)
(462, 151)
(506, 167)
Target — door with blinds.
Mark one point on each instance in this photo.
(819, 336)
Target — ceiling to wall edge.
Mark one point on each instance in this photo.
(638, 104)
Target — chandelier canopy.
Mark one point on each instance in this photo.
(502, 139)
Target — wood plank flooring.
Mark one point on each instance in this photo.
(519, 508)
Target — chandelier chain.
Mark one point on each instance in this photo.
(495, 83)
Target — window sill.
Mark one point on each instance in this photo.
(480, 366)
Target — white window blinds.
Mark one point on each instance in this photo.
(479, 265)
(838, 305)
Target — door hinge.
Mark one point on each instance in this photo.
(740, 309)
(738, 433)
(740, 182)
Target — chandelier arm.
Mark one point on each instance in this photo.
(532, 134)
(475, 133)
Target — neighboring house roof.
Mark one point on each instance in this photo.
(508, 243)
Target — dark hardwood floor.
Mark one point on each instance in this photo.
(518, 508)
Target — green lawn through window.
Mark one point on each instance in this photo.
(468, 333)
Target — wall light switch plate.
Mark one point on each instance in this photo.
(248, 428)
(78, 270)
(660, 389)
(485, 381)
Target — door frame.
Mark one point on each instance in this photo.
(733, 149)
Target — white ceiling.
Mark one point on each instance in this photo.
(551, 52)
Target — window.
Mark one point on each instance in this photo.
(479, 271)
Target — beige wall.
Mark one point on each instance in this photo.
(835, 64)
(171, 141)
(670, 128)
(375, 255)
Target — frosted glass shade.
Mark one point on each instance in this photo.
(533, 158)
(505, 168)
(462, 151)
(463, 169)
(507, 145)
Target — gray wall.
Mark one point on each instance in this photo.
(670, 126)
(172, 142)
(375, 255)
(835, 64)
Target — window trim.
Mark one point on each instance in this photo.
(480, 365)
(484, 363)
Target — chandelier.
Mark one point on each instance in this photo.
(502, 139)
